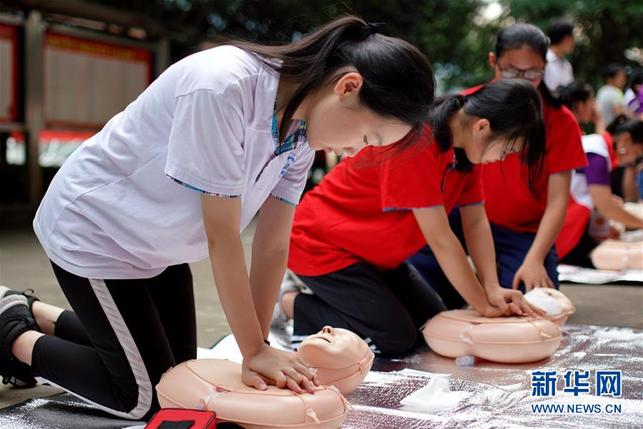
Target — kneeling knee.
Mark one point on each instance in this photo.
(395, 342)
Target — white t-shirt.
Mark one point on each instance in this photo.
(558, 72)
(608, 98)
(112, 212)
(628, 96)
(592, 144)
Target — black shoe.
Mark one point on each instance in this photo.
(27, 293)
(15, 319)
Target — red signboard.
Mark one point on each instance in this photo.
(8, 73)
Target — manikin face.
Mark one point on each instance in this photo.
(337, 122)
(333, 348)
(553, 302)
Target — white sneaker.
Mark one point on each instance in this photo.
(290, 283)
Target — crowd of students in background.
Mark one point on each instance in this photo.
(351, 258)
(612, 140)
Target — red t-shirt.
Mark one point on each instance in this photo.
(362, 210)
(509, 201)
(579, 215)
(609, 140)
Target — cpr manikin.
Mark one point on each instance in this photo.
(634, 208)
(621, 255)
(215, 385)
(618, 255)
(553, 302)
(458, 333)
(341, 357)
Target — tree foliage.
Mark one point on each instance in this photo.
(607, 28)
(452, 33)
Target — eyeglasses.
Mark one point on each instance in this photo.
(512, 73)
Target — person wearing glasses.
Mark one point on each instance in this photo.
(526, 211)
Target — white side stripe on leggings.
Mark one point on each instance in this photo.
(132, 354)
(130, 348)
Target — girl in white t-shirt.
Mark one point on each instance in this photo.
(219, 136)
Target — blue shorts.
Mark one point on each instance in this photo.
(511, 248)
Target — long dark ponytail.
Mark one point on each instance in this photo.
(517, 35)
(398, 79)
(514, 111)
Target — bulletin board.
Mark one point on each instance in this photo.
(8, 73)
(89, 81)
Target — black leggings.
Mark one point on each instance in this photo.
(386, 308)
(579, 255)
(121, 337)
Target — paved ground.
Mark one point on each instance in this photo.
(24, 265)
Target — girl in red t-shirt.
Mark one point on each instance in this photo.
(352, 234)
(526, 211)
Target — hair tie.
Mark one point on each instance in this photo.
(371, 28)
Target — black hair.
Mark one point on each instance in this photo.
(612, 70)
(398, 79)
(558, 30)
(513, 109)
(623, 124)
(518, 35)
(636, 79)
(576, 92)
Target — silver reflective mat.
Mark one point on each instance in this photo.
(574, 274)
(485, 395)
(489, 395)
